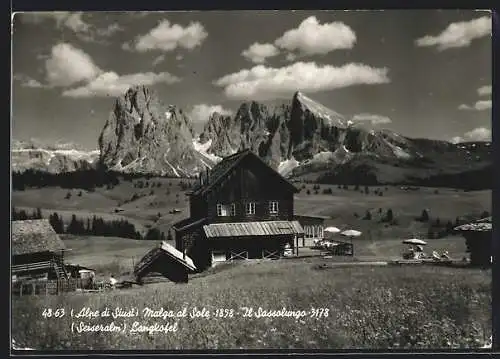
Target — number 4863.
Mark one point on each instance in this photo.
(51, 313)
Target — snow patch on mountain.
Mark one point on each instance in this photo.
(172, 167)
(203, 148)
(285, 167)
(323, 156)
(319, 110)
(399, 152)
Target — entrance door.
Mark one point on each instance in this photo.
(218, 256)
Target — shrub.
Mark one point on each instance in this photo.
(424, 217)
(389, 216)
(68, 195)
(368, 215)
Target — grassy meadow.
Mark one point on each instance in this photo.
(368, 307)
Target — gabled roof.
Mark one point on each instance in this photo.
(33, 236)
(224, 167)
(163, 252)
(481, 225)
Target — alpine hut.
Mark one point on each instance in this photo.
(478, 238)
(37, 250)
(240, 209)
(167, 261)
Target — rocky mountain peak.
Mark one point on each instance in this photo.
(143, 135)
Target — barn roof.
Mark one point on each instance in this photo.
(249, 229)
(178, 255)
(224, 167)
(163, 252)
(32, 236)
(481, 225)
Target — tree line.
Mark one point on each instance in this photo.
(95, 226)
(88, 179)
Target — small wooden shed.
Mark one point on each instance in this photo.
(37, 250)
(167, 261)
(478, 238)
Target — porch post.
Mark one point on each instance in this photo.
(297, 242)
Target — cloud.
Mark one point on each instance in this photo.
(110, 30)
(200, 113)
(27, 81)
(140, 14)
(112, 84)
(168, 37)
(258, 53)
(477, 134)
(75, 22)
(484, 90)
(309, 38)
(374, 119)
(458, 34)
(478, 106)
(158, 59)
(68, 65)
(313, 38)
(261, 82)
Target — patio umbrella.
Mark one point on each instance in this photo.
(415, 241)
(351, 233)
(332, 230)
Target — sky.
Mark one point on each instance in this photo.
(421, 73)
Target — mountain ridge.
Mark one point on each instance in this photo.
(302, 139)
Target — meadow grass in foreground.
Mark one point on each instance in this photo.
(369, 307)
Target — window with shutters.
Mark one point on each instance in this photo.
(250, 207)
(273, 207)
(226, 210)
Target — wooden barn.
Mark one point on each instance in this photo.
(240, 209)
(478, 238)
(167, 261)
(37, 250)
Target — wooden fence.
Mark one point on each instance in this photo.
(54, 287)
